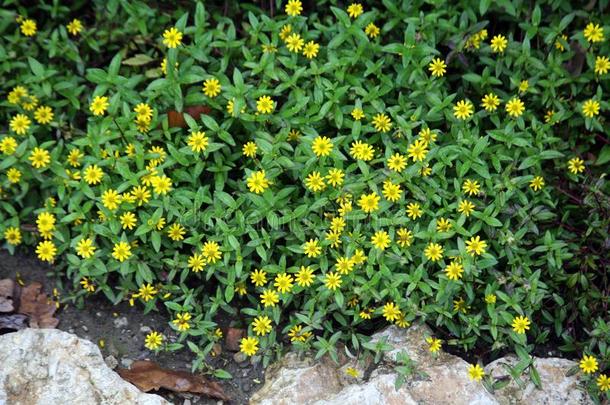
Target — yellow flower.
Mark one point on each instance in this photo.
(590, 108)
(312, 248)
(75, 27)
(537, 183)
(211, 251)
(13, 175)
(322, 146)
(20, 124)
(369, 202)
(418, 150)
(366, 313)
(311, 49)
(264, 104)
(121, 251)
(285, 31)
(283, 283)
(85, 248)
(382, 123)
(141, 195)
(352, 372)
(197, 141)
(463, 109)
(391, 312)
(357, 114)
(294, 43)
(40, 158)
(344, 265)
(594, 33)
(490, 102)
(153, 340)
(499, 43)
(269, 298)
(515, 107)
(603, 383)
(523, 86)
(74, 157)
(490, 298)
(12, 235)
(249, 149)
(332, 281)
(182, 321)
(391, 191)
(559, 45)
(471, 187)
(433, 252)
(576, 165)
(196, 262)
(437, 67)
(43, 115)
(87, 285)
(476, 246)
(249, 346)
(435, 344)
(414, 210)
(335, 177)
(304, 277)
(8, 145)
(354, 10)
(397, 162)
(93, 174)
(261, 325)
(258, 277)
(381, 240)
(293, 8)
(475, 372)
(372, 30)
(161, 184)
(15, 95)
(147, 292)
(176, 232)
(443, 225)
(588, 364)
(172, 37)
(257, 182)
(602, 65)
(520, 324)
(405, 237)
(211, 87)
(28, 27)
(315, 182)
(454, 270)
(99, 105)
(46, 251)
(466, 207)
(45, 222)
(361, 150)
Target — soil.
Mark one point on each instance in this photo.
(123, 329)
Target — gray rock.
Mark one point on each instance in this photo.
(48, 366)
(111, 362)
(145, 329)
(120, 322)
(556, 386)
(126, 363)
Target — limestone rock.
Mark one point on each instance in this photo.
(48, 366)
(295, 381)
(557, 387)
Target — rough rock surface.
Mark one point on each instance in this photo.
(48, 366)
(557, 387)
(441, 379)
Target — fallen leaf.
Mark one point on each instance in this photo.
(7, 287)
(148, 375)
(35, 304)
(138, 60)
(176, 118)
(13, 322)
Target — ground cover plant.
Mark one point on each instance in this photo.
(319, 170)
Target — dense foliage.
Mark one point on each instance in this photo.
(320, 170)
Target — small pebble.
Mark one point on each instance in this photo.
(111, 362)
(120, 322)
(126, 363)
(85, 328)
(187, 402)
(98, 314)
(145, 329)
(240, 357)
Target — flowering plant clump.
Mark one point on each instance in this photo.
(318, 174)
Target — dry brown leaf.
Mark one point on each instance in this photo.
(35, 304)
(176, 119)
(7, 287)
(148, 375)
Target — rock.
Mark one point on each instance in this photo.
(120, 322)
(295, 381)
(557, 387)
(48, 366)
(85, 328)
(240, 357)
(145, 330)
(126, 363)
(111, 362)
